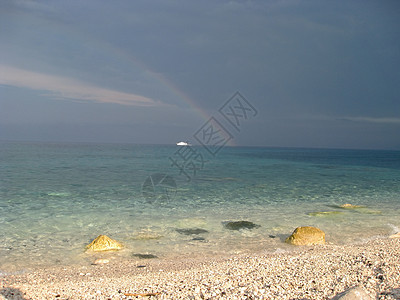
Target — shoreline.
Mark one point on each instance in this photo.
(313, 272)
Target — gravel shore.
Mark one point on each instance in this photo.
(318, 272)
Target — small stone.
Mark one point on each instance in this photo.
(354, 293)
(104, 243)
(306, 236)
(101, 261)
(237, 225)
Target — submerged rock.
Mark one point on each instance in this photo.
(104, 243)
(144, 256)
(147, 236)
(369, 211)
(362, 209)
(324, 213)
(190, 231)
(306, 236)
(237, 225)
(197, 222)
(199, 238)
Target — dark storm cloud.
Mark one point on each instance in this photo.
(319, 72)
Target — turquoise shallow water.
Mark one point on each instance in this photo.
(55, 198)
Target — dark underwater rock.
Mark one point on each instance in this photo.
(237, 225)
(191, 231)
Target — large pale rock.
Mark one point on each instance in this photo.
(306, 236)
(104, 243)
(395, 236)
(354, 293)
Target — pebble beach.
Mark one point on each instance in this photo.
(307, 272)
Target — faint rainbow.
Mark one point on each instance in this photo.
(173, 88)
(124, 56)
(203, 114)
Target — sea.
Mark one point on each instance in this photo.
(175, 202)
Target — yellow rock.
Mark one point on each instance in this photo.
(306, 236)
(104, 243)
(351, 206)
(324, 213)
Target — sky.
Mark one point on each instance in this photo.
(315, 73)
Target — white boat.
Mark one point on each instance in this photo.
(183, 144)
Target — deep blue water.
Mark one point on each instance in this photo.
(55, 198)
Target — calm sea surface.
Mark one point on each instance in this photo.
(56, 198)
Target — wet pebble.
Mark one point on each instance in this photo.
(144, 256)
